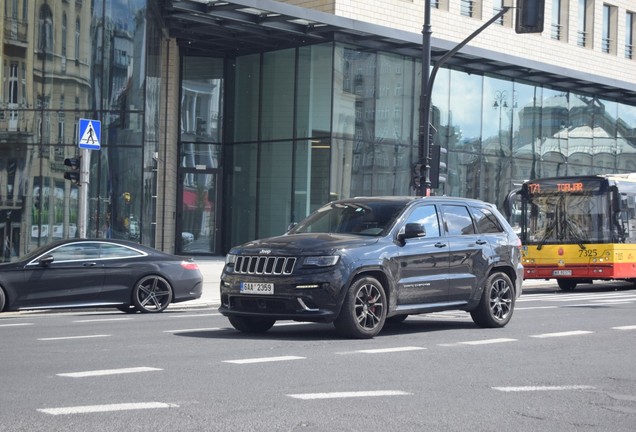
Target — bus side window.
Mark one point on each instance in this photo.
(627, 217)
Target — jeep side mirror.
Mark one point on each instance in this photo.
(411, 230)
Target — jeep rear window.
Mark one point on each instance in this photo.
(368, 218)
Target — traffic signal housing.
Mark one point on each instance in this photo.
(529, 16)
(438, 166)
(74, 174)
(417, 172)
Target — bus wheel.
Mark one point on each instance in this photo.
(566, 284)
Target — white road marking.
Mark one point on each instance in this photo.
(108, 372)
(73, 337)
(488, 341)
(264, 359)
(542, 388)
(102, 320)
(630, 327)
(339, 395)
(561, 334)
(390, 350)
(579, 297)
(536, 307)
(193, 330)
(106, 408)
(16, 325)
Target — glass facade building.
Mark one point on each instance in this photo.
(262, 137)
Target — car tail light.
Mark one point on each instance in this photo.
(189, 265)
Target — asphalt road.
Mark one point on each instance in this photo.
(566, 362)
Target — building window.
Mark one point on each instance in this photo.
(77, 39)
(13, 83)
(585, 23)
(497, 5)
(64, 33)
(60, 127)
(608, 41)
(630, 23)
(45, 28)
(556, 20)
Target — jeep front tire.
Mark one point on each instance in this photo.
(364, 309)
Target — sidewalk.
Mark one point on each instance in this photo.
(211, 269)
(213, 266)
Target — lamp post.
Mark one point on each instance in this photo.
(425, 102)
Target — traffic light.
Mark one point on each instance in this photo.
(74, 174)
(127, 197)
(529, 17)
(438, 166)
(417, 171)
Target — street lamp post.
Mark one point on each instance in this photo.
(425, 102)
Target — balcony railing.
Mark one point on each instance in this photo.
(606, 45)
(15, 30)
(629, 51)
(556, 31)
(467, 8)
(581, 38)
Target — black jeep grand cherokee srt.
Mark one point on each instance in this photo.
(363, 261)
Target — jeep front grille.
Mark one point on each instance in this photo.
(264, 265)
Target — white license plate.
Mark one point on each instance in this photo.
(562, 273)
(257, 288)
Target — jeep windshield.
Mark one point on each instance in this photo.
(361, 218)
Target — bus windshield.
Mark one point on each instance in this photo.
(567, 218)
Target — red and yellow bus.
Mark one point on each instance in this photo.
(577, 229)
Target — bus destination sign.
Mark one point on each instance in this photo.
(562, 186)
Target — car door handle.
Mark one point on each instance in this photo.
(481, 242)
(89, 264)
(440, 245)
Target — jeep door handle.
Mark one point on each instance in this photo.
(481, 242)
(89, 264)
(440, 245)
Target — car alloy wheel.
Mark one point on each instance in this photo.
(152, 294)
(364, 309)
(497, 302)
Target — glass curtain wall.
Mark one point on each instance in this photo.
(201, 138)
(279, 145)
(327, 122)
(66, 61)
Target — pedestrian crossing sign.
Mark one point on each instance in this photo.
(89, 134)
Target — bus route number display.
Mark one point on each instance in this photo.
(562, 187)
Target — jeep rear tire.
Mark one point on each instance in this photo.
(363, 311)
(497, 302)
(251, 324)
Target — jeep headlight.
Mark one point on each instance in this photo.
(321, 261)
(230, 260)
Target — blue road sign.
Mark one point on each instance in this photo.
(90, 134)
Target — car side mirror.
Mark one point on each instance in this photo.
(45, 260)
(291, 226)
(411, 230)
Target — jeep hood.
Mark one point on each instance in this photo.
(304, 244)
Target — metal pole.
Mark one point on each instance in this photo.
(83, 192)
(425, 102)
